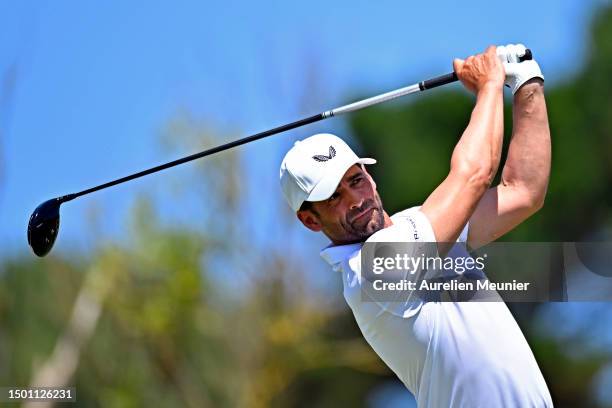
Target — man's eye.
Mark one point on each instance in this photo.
(333, 197)
(357, 180)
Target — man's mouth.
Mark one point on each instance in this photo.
(362, 214)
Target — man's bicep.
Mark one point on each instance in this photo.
(500, 210)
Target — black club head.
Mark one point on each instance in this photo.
(44, 226)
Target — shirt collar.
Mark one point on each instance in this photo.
(333, 255)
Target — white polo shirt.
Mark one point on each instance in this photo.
(448, 354)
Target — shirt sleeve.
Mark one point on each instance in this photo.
(411, 239)
(422, 229)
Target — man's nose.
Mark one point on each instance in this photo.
(355, 200)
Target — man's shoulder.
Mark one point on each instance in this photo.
(406, 226)
(404, 214)
(422, 229)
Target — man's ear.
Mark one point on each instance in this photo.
(310, 220)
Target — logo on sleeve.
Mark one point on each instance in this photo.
(415, 233)
(324, 158)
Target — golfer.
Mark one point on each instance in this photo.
(448, 354)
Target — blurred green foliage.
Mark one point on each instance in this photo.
(150, 324)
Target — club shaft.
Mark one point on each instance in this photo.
(421, 86)
(201, 154)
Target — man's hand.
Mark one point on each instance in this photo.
(517, 73)
(481, 70)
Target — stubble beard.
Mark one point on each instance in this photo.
(376, 221)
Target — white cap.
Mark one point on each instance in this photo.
(313, 168)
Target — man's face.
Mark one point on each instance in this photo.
(352, 213)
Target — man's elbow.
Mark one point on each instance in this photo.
(537, 201)
(477, 175)
(533, 200)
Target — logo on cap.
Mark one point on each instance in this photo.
(323, 158)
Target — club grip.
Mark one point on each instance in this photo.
(438, 81)
(527, 56)
(452, 77)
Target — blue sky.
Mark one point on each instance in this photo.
(97, 84)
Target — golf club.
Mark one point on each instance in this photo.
(43, 226)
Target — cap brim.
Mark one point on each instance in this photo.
(326, 187)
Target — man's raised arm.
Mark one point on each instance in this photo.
(525, 174)
(476, 156)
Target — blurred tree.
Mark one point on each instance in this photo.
(152, 323)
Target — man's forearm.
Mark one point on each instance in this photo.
(528, 163)
(452, 203)
(480, 144)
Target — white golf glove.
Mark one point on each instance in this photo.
(517, 73)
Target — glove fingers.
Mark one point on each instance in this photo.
(502, 53)
(520, 49)
(515, 51)
(511, 68)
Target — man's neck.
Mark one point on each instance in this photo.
(388, 221)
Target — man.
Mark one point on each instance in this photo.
(448, 354)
